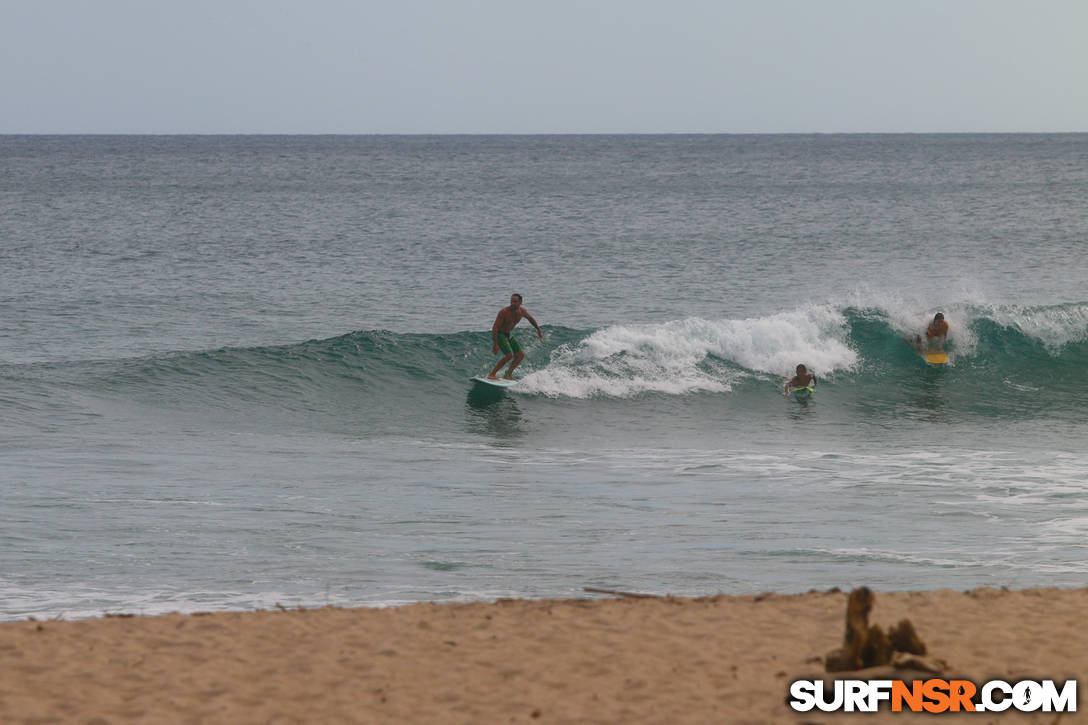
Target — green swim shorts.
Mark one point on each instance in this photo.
(507, 343)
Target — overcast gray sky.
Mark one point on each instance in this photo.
(562, 66)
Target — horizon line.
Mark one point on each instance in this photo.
(541, 133)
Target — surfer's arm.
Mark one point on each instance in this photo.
(527, 316)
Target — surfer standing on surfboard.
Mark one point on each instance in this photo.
(501, 339)
(935, 335)
(803, 379)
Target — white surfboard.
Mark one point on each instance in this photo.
(500, 383)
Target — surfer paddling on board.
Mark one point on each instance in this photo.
(936, 334)
(501, 339)
(803, 379)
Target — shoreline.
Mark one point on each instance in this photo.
(644, 659)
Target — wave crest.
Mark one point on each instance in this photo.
(695, 355)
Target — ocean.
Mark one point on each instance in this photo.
(234, 371)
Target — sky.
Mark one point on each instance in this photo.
(563, 66)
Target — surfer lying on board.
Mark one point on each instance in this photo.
(803, 379)
(935, 335)
(501, 339)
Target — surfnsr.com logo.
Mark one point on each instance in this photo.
(934, 696)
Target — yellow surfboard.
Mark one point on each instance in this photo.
(935, 358)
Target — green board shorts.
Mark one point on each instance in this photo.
(507, 343)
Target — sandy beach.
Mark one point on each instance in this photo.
(721, 659)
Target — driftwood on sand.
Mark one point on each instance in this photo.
(866, 645)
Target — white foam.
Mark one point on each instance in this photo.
(1053, 326)
(909, 312)
(695, 355)
(82, 601)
